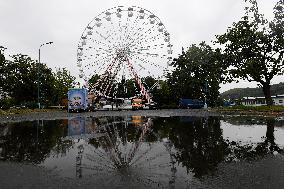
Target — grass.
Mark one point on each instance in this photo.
(273, 108)
(24, 110)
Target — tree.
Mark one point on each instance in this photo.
(198, 73)
(255, 47)
(2, 57)
(63, 81)
(92, 81)
(19, 81)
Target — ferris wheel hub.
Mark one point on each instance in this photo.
(122, 54)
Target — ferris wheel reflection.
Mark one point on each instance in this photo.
(116, 150)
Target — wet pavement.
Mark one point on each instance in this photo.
(134, 151)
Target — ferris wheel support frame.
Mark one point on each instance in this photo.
(108, 87)
(104, 75)
(139, 82)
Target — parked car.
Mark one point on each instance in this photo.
(153, 106)
(191, 103)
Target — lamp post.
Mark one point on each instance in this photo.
(38, 97)
(205, 93)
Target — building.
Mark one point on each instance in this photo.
(260, 101)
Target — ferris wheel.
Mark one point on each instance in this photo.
(123, 43)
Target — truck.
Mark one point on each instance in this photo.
(191, 103)
(77, 99)
(136, 104)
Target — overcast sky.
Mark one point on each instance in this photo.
(26, 24)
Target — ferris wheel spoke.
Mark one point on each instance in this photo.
(126, 28)
(149, 62)
(101, 35)
(145, 26)
(106, 80)
(104, 60)
(104, 75)
(134, 25)
(137, 32)
(112, 76)
(100, 43)
(150, 38)
(145, 54)
(132, 29)
(143, 34)
(112, 33)
(153, 38)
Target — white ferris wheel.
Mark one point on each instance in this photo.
(123, 43)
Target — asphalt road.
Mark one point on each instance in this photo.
(64, 114)
(267, 173)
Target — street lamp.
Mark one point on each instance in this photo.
(38, 98)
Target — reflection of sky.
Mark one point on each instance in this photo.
(250, 133)
(63, 164)
(279, 135)
(151, 165)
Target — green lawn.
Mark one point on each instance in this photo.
(275, 108)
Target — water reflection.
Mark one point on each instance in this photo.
(198, 142)
(32, 141)
(123, 152)
(140, 151)
(251, 151)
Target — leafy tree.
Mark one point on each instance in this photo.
(2, 57)
(63, 81)
(198, 74)
(130, 88)
(163, 96)
(92, 81)
(19, 81)
(255, 47)
(148, 82)
(19, 78)
(47, 85)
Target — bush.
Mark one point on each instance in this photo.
(29, 104)
(6, 103)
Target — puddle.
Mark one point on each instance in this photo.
(141, 152)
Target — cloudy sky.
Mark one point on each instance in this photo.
(26, 24)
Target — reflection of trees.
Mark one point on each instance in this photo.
(32, 141)
(254, 151)
(199, 143)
